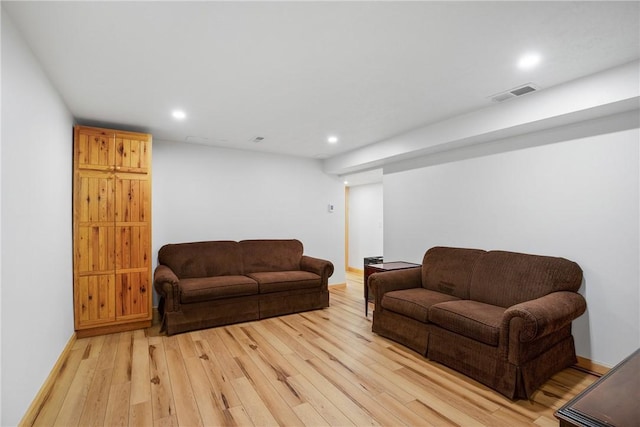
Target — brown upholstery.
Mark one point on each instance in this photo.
(448, 270)
(205, 284)
(469, 318)
(509, 278)
(208, 288)
(278, 281)
(414, 303)
(271, 255)
(502, 318)
(202, 259)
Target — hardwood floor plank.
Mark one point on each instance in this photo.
(186, 407)
(239, 416)
(217, 373)
(362, 398)
(95, 405)
(274, 368)
(322, 367)
(400, 411)
(292, 342)
(430, 416)
(204, 393)
(216, 339)
(124, 358)
(162, 404)
(141, 414)
(309, 416)
(460, 398)
(53, 403)
(273, 399)
(253, 404)
(71, 409)
(117, 412)
(320, 403)
(367, 374)
(140, 378)
(432, 400)
(337, 392)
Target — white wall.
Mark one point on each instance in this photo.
(365, 223)
(37, 266)
(207, 193)
(577, 199)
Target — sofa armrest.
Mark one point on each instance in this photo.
(542, 316)
(321, 267)
(387, 281)
(165, 282)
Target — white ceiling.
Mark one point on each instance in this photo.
(297, 72)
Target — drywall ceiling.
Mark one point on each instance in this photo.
(295, 73)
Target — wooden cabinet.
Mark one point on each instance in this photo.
(111, 230)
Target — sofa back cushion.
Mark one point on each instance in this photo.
(202, 259)
(508, 278)
(271, 255)
(449, 270)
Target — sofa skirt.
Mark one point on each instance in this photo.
(208, 314)
(488, 365)
(408, 332)
(294, 301)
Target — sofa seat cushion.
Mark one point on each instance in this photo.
(278, 281)
(414, 303)
(211, 288)
(473, 319)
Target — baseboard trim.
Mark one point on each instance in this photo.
(338, 285)
(590, 367)
(354, 270)
(36, 406)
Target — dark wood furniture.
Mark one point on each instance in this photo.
(613, 400)
(376, 268)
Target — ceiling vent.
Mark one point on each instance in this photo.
(515, 92)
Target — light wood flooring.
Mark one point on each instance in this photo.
(317, 368)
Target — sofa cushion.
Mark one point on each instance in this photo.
(278, 281)
(211, 288)
(414, 302)
(271, 255)
(449, 270)
(509, 278)
(472, 319)
(202, 259)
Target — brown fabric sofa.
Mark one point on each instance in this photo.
(502, 318)
(206, 284)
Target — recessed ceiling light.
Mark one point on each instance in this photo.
(529, 60)
(332, 139)
(178, 114)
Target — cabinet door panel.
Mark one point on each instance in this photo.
(133, 246)
(133, 203)
(94, 200)
(95, 300)
(95, 149)
(132, 153)
(132, 294)
(95, 249)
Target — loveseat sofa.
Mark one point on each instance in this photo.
(206, 284)
(502, 318)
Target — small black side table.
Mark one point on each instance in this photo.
(376, 268)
